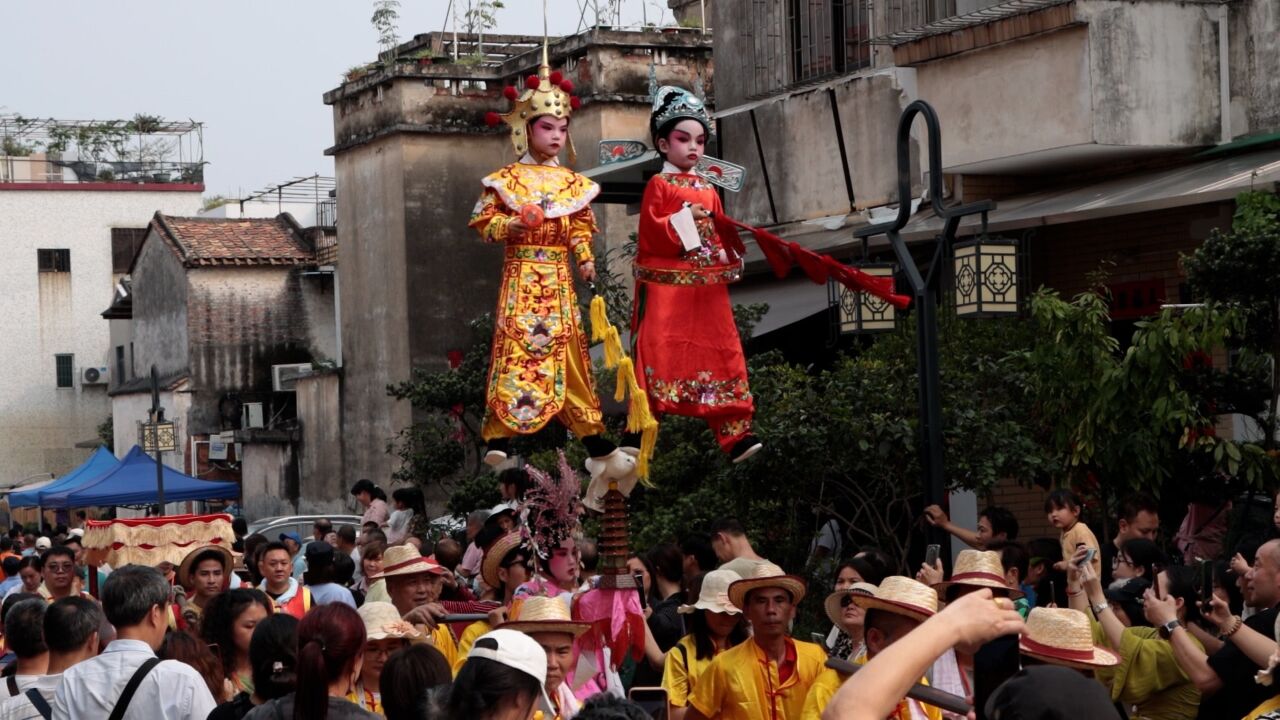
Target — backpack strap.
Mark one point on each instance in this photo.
(12, 683)
(126, 697)
(39, 703)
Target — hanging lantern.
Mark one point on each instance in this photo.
(986, 277)
(860, 313)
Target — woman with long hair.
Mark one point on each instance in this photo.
(330, 654)
(715, 625)
(227, 628)
(182, 646)
(273, 651)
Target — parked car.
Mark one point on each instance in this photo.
(271, 527)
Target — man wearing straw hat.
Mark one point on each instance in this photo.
(548, 622)
(896, 608)
(505, 567)
(414, 583)
(769, 675)
(203, 574)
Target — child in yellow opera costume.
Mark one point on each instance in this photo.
(541, 212)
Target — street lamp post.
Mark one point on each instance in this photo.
(924, 289)
(158, 434)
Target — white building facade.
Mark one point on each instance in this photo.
(67, 246)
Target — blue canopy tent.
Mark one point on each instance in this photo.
(99, 463)
(133, 482)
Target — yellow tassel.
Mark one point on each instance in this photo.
(625, 378)
(648, 441)
(599, 319)
(613, 352)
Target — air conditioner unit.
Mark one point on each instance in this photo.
(251, 416)
(94, 376)
(284, 378)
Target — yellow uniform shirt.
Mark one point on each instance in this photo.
(681, 671)
(442, 638)
(469, 636)
(742, 683)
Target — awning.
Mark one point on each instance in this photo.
(1193, 184)
(790, 301)
(24, 488)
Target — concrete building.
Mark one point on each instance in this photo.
(69, 234)
(1105, 130)
(229, 312)
(410, 148)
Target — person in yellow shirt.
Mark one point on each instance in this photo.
(1063, 507)
(413, 583)
(767, 677)
(504, 568)
(716, 625)
(896, 608)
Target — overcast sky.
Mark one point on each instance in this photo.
(253, 71)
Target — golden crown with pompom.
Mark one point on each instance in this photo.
(547, 93)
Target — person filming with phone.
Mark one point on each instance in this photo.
(1148, 682)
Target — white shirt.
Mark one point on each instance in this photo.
(171, 691)
(326, 593)
(19, 707)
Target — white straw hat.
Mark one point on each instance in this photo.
(1062, 636)
(714, 595)
(901, 596)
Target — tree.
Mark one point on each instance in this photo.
(386, 18)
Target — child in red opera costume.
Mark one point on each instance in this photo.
(687, 348)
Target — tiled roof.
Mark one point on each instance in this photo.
(225, 241)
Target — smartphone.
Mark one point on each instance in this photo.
(1089, 554)
(652, 699)
(644, 602)
(1206, 583)
(931, 554)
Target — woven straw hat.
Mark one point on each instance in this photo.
(1061, 636)
(978, 569)
(767, 575)
(382, 621)
(834, 604)
(400, 560)
(901, 596)
(204, 552)
(541, 614)
(714, 595)
(493, 556)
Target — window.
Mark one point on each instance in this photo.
(54, 260)
(119, 364)
(124, 245)
(66, 370)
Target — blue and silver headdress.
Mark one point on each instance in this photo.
(675, 103)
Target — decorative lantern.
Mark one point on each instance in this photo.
(986, 277)
(860, 313)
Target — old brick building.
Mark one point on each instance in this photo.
(217, 306)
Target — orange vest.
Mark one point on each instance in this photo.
(298, 605)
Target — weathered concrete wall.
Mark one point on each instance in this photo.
(320, 473)
(1154, 70)
(318, 308)
(264, 475)
(1254, 39)
(241, 321)
(1012, 99)
(160, 293)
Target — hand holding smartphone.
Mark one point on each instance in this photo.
(931, 554)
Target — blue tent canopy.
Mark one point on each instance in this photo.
(99, 463)
(133, 482)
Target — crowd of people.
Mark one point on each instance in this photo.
(349, 624)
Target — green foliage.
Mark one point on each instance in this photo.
(481, 15)
(215, 201)
(107, 433)
(386, 18)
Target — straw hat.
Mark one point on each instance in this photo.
(541, 614)
(494, 554)
(382, 621)
(1061, 636)
(399, 560)
(901, 596)
(834, 603)
(977, 569)
(714, 595)
(204, 552)
(766, 575)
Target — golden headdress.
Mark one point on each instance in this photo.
(547, 93)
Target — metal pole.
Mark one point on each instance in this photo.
(157, 416)
(925, 292)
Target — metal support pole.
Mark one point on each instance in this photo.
(157, 417)
(925, 292)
